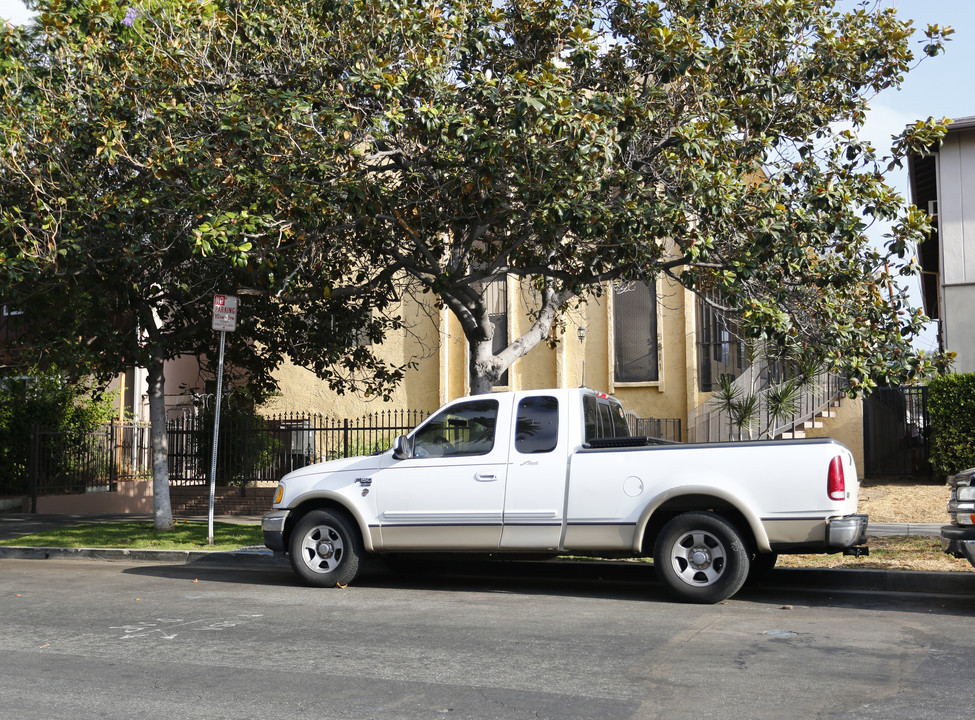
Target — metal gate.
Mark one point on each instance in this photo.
(895, 433)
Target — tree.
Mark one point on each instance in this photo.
(340, 154)
(448, 142)
(126, 205)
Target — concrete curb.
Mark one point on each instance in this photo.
(901, 581)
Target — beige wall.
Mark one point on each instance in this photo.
(132, 496)
(437, 342)
(302, 391)
(845, 426)
(433, 339)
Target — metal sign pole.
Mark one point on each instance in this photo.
(224, 320)
(216, 436)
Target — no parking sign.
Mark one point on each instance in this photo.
(224, 313)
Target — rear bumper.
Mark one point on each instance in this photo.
(959, 541)
(846, 531)
(272, 526)
(816, 534)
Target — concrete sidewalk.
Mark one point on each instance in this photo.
(14, 525)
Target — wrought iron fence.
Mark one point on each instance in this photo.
(90, 461)
(270, 447)
(261, 450)
(662, 428)
(896, 433)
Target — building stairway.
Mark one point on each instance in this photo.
(227, 500)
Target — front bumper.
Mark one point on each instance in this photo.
(846, 531)
(959, 541)
(272, 526)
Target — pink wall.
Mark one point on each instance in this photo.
(132, 496)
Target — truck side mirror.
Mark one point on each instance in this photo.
(402, 448)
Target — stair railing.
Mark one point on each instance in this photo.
(710, 422)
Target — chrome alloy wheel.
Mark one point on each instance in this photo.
(699, 558)
(322, 548)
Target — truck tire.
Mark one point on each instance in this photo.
(325, 549)
(700, 557)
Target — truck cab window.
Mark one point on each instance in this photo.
(464, 429)
(621, 428)
(605, 421)
(604, 418)
(591, 415)
(537, 427)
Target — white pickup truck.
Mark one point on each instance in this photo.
(556, 472)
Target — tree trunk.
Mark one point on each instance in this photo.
(482, 362)
(162, 509)
(485, 367)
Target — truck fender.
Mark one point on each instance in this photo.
(755, 526)
(327, 498)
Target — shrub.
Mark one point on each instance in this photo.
(51, 403)
(951, 413)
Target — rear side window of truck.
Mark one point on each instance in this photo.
(537, 427)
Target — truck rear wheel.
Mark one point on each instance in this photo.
(325, 549)
(700, 557)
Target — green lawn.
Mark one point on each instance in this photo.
(142, 536)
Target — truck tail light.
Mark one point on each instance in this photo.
(835, 481)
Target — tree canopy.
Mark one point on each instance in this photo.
(131, 189)
(570, 144)
(402, 147)
(339, 154)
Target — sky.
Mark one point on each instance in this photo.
(942, 86)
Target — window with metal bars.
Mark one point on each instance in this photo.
(720, 352)
(496, 300)
(635, 332)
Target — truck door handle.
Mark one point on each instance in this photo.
(485, 477)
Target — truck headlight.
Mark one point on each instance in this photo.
(965, 493)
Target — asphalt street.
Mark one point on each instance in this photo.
(86, 639)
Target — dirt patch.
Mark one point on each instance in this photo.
(895, 502)
(904, 502)
(887, 553)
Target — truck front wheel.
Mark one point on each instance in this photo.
(700, 557)
(325, 549)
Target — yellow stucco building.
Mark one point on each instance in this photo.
(655, 348)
